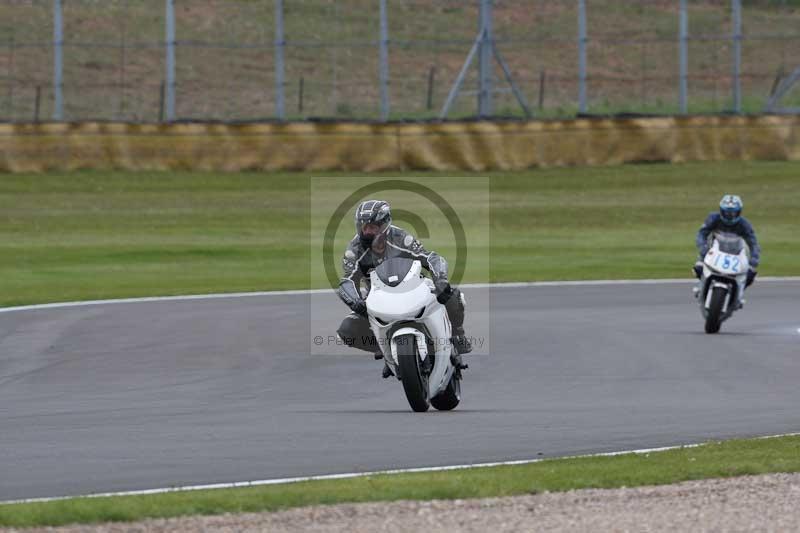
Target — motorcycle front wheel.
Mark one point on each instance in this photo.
(714, 318)
(415, 384)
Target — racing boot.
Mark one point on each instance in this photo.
(455, 310)
(458, 362)
(461, 341)
(462, 346)
(387, 372)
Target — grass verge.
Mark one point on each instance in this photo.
(95, 235)
(713, 460)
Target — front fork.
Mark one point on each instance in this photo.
(700, 289)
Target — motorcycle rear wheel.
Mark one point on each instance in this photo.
(449, 398)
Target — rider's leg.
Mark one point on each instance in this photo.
(698, 272)
(740, 292)
(455, 310)
(355, 332)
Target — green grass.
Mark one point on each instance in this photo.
(713, 460)
(92, 235)
(634, 221)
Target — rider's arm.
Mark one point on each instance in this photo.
(348, 284)
(433, 262)
(752, 242)
(705, 230)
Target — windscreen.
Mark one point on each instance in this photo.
(730, 243)
(394, 270)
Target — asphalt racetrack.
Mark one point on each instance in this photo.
(120, 397)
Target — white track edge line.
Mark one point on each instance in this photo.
(350, 475)
(306, 292)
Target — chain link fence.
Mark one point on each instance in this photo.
(110, 59)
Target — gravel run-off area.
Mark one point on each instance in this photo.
(749, 503)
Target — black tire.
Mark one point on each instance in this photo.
(714, 318)
(414, 383)
(448, 399)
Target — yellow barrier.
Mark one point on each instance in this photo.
(476, 146)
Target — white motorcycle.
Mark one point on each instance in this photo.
(414, 333)
(721, 288)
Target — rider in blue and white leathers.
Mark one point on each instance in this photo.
(729, 219)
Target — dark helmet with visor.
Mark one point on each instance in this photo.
(373, 218)
(730, 209)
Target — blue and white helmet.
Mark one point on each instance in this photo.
(730, 209)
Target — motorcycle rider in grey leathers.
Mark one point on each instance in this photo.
(375, 241)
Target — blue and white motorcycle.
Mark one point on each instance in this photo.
(414, 333)
(721, 287)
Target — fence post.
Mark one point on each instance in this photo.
(485, 90)
(58, 61)
(737, 55)
(582, 39)
(170, 62)
(280, 43)
(384, 61)
(684, 58)
(542, 80)
(10, 75)
(300, 95)
(37, 103)
(431, 81)
(162, 92)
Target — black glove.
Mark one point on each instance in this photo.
(350, 296)
(698, 269)
(443, 291)
(751, 277)
(359, 308)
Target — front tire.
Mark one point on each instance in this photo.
(449, 398)
(714, 318)
(415, 384)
